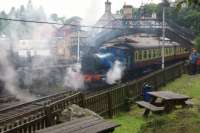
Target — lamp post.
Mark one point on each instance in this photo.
(163, 39)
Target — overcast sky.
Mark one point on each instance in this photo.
(83, 8)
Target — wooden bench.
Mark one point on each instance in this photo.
(149, 107)
(88, 124)
(189, 103)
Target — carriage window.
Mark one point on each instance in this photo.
(177, 50)
(145, 54)
(136, 55)
(154, 53)
(171, 51)
(149, 53)
(159, 52)
(139, 55)
(166, 52)
(183, 50)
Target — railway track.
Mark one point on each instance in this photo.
(7, 99)
(17, 111)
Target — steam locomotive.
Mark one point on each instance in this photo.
(137, 54)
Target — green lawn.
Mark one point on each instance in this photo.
(180, 121)
(130, 122)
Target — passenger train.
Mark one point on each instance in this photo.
(137, 54)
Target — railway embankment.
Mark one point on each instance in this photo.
(179, 121)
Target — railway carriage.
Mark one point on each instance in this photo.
(139, 55)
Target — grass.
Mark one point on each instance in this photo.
(130, 122)
(179, 121)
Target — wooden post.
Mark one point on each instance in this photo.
(110, 106)
(127, 103)
(83, 101)
(49, 119)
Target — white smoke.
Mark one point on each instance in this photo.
(115, 73)
(91, 16)
(74, 78)
(9, 77)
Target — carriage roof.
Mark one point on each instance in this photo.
(131, 42)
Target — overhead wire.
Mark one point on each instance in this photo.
(75, 25)
(62, 24)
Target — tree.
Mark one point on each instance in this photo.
(197, 43)
(149, 9)
(191, 3)
(12, 13)
(40, 13)
(3, 23)
(74, 19)
(54, 17)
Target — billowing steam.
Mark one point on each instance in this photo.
(9, 77)
(115, 73)
(73, 78)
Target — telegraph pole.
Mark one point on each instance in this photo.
(163, 39)
(78, 47)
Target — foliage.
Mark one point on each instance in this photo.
(56, 18)
(188, 17)
(180, 121)
(22, 30)
(197, 43)
(149, 9)
(191, 3)
(130, 122)
(18, 30)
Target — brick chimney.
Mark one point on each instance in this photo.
(128, 11)
(107, 6)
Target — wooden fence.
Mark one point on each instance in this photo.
(110, 101)
(104, 103)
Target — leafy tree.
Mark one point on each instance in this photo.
(12, 13)
(191, 3)
(73, 19)
(197, 43)
(150, 9)
(3, 24)
(56, 18)
(40, 14)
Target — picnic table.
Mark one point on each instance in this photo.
(90, 124)
(169, 100)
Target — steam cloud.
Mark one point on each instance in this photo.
(115, 73)
(9, 77)
(74, 78)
